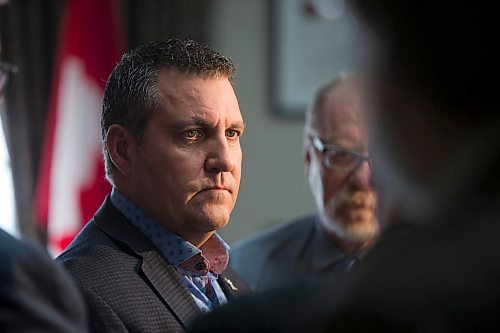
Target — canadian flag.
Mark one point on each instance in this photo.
(71, 183)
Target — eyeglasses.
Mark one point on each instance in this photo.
(339, 159)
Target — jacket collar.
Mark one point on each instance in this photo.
(159, 273)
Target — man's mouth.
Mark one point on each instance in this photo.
(362, 200)
(217, 188)
(356, 206)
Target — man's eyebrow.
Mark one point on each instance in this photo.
(203, 123)
(190, 122)
(238, 124)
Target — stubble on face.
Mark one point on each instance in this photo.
(352, 215)
(188, 169)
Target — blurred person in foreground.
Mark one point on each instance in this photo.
(150, 259)
(437, 141)
(36, 295)
(436, 146)
(337, 166)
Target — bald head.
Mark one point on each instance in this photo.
(341, 97)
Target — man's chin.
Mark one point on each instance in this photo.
(209, 215)
(354, 230)
(213, 222)
(362, 232)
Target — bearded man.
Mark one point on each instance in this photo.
(337, 165)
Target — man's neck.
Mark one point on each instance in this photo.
(195, 237)
(348, 246)
(198, 239)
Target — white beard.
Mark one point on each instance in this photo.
(354, 224)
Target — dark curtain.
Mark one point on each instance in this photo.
(29, 31)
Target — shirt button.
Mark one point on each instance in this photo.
(200, 266)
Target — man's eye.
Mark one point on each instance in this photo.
(341, 158)
(191, 134)
(232, 133)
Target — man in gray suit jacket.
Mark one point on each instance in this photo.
(337, 165)
(150, 259)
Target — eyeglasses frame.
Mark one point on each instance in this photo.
(322, 148)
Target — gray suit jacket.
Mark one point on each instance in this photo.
(128, 285)
(35, 294)
(288, 253)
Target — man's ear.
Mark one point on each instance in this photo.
(121, 147)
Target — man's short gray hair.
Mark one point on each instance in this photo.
(132, 90)
(313, 112)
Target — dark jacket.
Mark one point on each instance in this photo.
(128, 285)
(36, 295)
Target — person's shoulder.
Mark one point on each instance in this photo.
(12, 249)
(281, 233)
(94, 253)
(8, 241)
(250, 256)
(88, 240)
(256, 249)
(32, 281)
(16, 253)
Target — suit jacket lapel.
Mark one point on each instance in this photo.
(231, 284)
(161, 276)
(169, 286)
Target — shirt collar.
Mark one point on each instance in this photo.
(324, 252)
(174, 248)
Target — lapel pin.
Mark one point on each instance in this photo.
(230, 284)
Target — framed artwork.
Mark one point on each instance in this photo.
(311, 44)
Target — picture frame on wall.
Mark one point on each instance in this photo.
(311, 43)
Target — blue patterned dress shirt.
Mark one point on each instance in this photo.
(198, 268)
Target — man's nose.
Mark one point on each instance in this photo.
(360, 177)
(220, 157)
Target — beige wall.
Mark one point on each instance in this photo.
(273, 187)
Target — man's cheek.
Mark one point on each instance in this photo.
(352, 207)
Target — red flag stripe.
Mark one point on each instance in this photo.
(89, 34)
